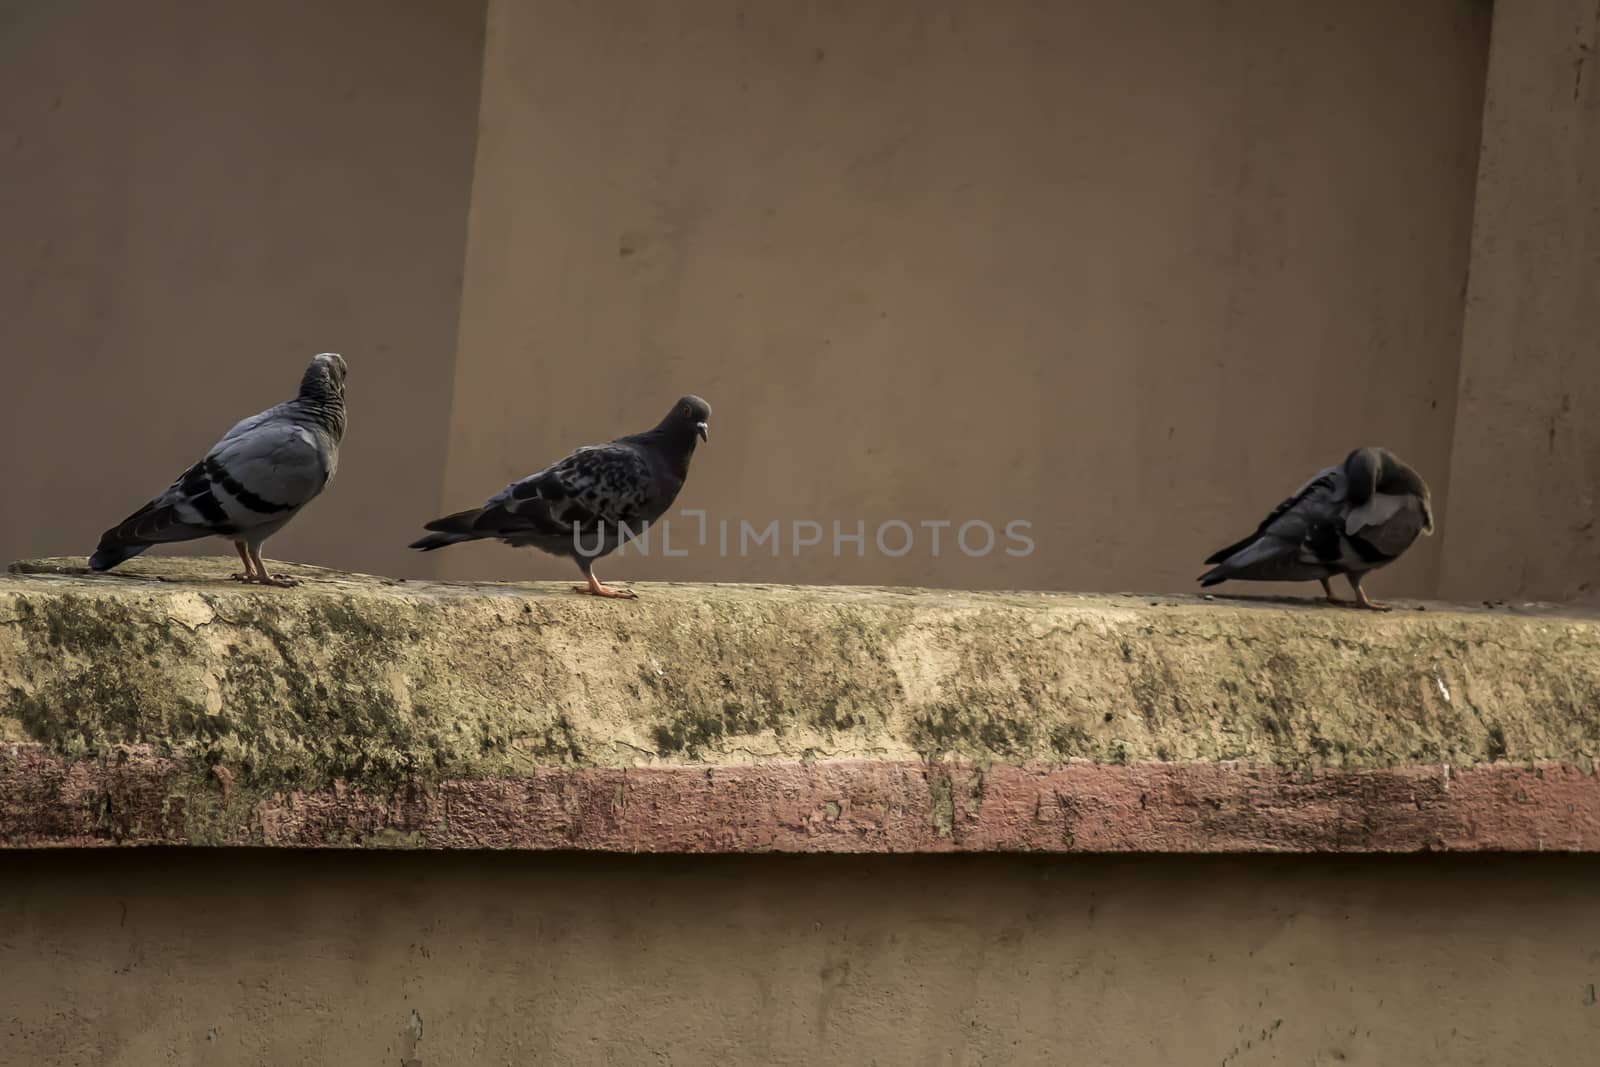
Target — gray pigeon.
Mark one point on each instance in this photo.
(1349, 520)
(251, 483)
(583, 506)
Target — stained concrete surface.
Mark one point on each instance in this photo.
(375, 681)
(167, 703)
(179, 958)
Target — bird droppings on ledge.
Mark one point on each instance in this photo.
(397, 691)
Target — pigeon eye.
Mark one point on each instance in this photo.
(686, 411)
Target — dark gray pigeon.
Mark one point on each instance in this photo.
(251, 483)
(583, 506)
(1349, 520)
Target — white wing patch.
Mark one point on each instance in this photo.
(1379, 509)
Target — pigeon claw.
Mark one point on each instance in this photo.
(598, 588)
(606, 591)
(283, 581)
(1364, 602)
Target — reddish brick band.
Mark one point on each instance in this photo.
(137, 797)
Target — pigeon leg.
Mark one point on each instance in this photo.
(599, 588)
(1328, 589)
(249, 573)
(1361, 595)
(281, 580)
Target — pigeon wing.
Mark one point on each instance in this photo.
(1290, 514)
(1386, 525)
(1299, 539)
(599, 484)
(263, 471)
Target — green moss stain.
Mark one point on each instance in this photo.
(778, 678)
(1496, 748)
(961, 728)
(941, 804)
(307, 690)
(1070, 741)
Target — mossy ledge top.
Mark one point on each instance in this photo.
(376, 682)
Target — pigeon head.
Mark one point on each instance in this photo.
(689, 416)
(1376, 469)
(324, 376)
(322, 393)
(1395, 476)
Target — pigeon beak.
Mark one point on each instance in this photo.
(700, 428)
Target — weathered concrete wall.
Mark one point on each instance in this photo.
(727, 718)
(132, 959)
(198, 198)
(1524, 515)
(1127, 271)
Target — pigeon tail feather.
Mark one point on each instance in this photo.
(440, 540)
(1267, 562)
(1222, 554)
(109, 555)
(461, 522)
(136, 533)
(450, 530)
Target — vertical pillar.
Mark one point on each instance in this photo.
(1521, 521)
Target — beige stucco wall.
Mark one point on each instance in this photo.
(198, 198)
(1128, 271)
(1522, 520)
(928, 261)
(159, 957)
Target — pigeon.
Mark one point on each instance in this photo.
(585, 505)
(251, 483)
(1350, 519)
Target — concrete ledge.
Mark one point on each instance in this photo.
(169, 706)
